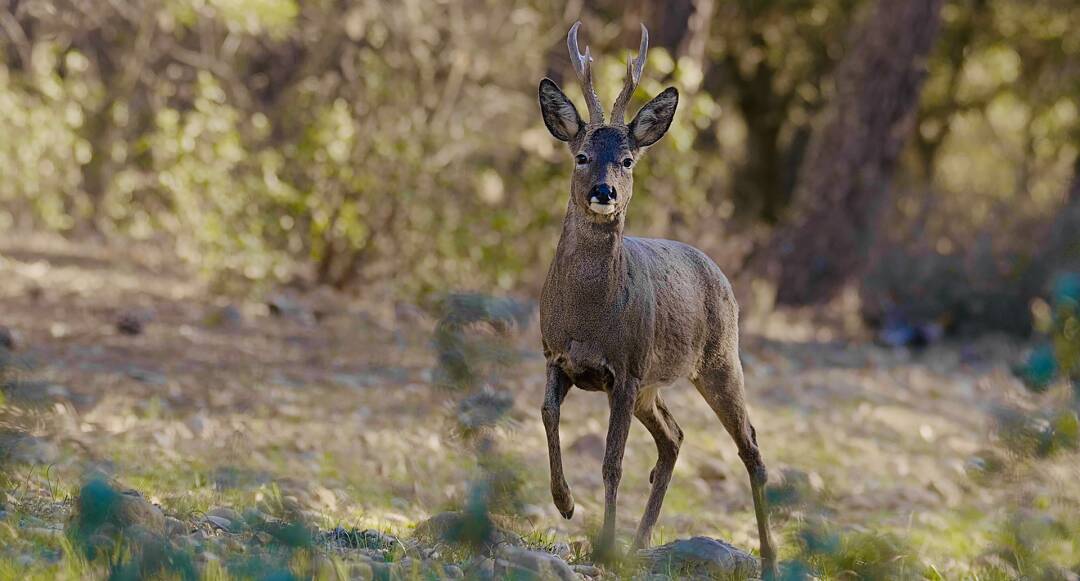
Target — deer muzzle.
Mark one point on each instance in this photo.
(602, 199)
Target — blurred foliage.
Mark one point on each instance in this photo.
(347, 142)
(470, 340)
(1059, 356)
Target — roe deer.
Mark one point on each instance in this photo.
(625, 315)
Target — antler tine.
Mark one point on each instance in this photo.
(634, 68)
(583, 67)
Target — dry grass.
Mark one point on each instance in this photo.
(339, 418)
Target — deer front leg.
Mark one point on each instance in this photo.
(558, 385)
(621, 402)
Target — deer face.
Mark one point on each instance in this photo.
(604, 155)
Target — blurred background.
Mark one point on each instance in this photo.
(233, 232)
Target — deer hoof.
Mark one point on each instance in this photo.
(564, 501)
(567, 514)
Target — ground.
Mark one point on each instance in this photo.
(327, 403)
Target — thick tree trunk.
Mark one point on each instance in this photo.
(845, 175)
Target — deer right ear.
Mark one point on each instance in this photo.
(560, 115)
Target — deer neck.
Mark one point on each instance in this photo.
(590, 261)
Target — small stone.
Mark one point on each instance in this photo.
(284, 307)
(133, 509)
(220, 523)
(589, 445)
(227, 316)
(175, 527)
(7, 339)
(587, 570)
(385, 570)
(226, 513)
(437, 528)
(700, 556)
(562, 551)
(713, 471)
(129, 324)
(29, 450)
(481, 568)
(146, 376)
(44, 531)
(454, 572)
(99, 500)
(517, 563)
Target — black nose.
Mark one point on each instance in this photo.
(603, 193)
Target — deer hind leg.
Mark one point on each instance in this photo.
(558, 385)
(654, 415)
(722, 389)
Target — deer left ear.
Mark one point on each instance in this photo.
(653, 120)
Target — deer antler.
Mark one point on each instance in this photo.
(583, 68)
(634, 67)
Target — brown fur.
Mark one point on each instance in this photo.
(626, 316)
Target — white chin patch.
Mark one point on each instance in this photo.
(603, 209)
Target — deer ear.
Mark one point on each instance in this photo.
(653, 120)
(560, 115)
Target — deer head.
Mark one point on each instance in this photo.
(605, 153)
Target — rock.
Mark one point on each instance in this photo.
(146, 376)
(33, 392)
(130, 324)
(229, 316)
(454, 572)
(591, 445)
(26, 449)
(226, 513)
(372, 539)
(7, 339)
(700, 557)
(285, 307)
(133, 509)
(444, 525)
(385, 570)
(221, 523)
(587, 570)
(562, 551)
(102, 509)
(175, 527)
(713, 471)
(44, 532)
(481, 568)
(519, 563)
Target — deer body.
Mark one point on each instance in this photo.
(652, 310)
(626, 316)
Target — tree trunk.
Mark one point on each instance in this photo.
(847, 170)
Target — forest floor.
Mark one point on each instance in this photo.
(328, 409)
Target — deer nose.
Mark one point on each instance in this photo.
(602, 194)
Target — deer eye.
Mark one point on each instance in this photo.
(627, 163)
(581, 159)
